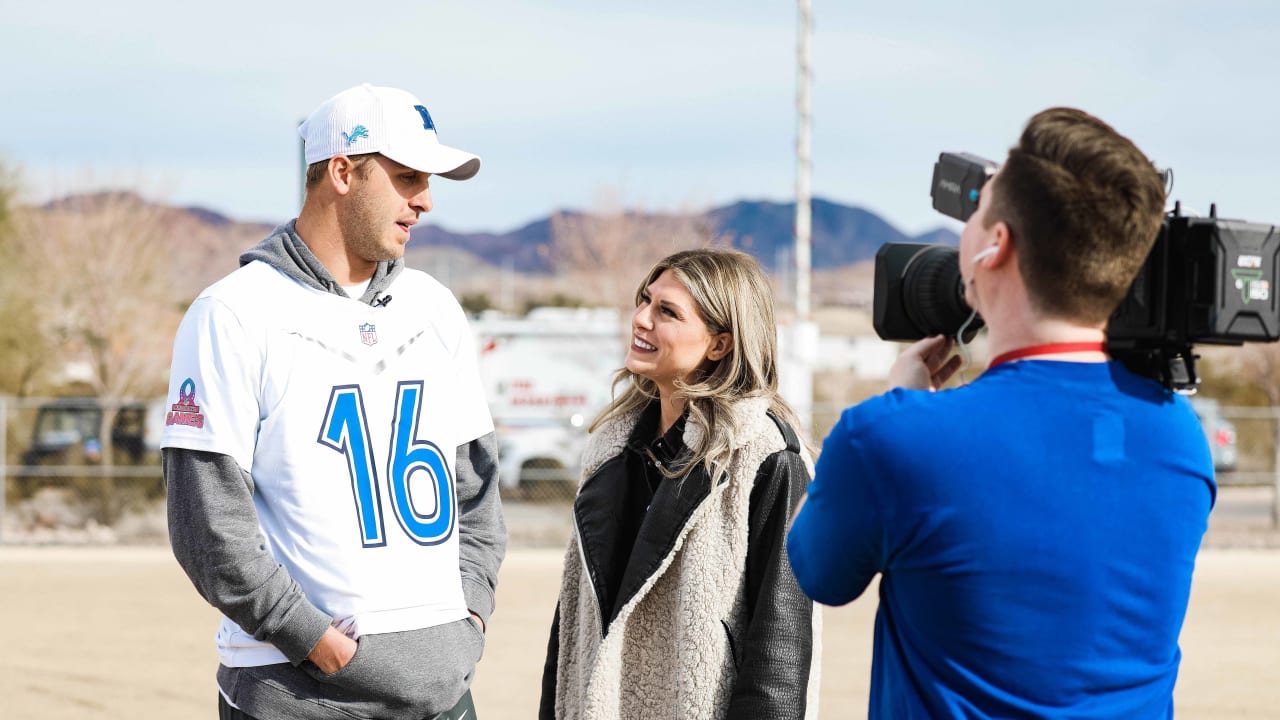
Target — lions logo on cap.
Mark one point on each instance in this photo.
(358, 132)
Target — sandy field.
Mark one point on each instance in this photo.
(119, 632)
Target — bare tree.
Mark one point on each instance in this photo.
(24, 343)
(602, 255)
(106, 272)
(96, 281)
(22, 346)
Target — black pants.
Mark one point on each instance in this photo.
(464, 710)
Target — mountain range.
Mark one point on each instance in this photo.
(844, 239)
(842, 235)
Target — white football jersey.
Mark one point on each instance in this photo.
(349, 417)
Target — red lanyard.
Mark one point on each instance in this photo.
(1047, 349)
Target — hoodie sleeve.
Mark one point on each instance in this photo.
(482, 535)
(213, 529)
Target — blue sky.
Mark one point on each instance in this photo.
(669, 105)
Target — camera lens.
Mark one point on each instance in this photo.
(933, 293)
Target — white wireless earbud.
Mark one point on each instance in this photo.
(985, 254)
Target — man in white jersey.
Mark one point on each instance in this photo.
(329, 457)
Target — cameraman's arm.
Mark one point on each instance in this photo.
(837, 541)
(925, 364)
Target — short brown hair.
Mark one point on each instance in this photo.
(1084, 206)
(359, 163)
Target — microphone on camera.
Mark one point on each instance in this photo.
(383, 301)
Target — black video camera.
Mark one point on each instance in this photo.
(1206, 280)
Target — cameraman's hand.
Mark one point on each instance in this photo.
(925, 365)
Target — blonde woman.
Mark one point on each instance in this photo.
(677, 598)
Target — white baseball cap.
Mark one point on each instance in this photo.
(369, 119)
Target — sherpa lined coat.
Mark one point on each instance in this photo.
(708, 622)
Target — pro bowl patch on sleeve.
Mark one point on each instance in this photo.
(185, 411)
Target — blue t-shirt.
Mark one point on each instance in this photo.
(1035, 532)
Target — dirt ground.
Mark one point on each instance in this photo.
(119, 632)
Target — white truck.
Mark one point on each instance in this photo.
(546, 376)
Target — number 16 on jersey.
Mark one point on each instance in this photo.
(346, 430)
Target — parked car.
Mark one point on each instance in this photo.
(1219, 431)
(545, 454)
(68, 431)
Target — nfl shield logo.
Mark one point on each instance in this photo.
(368, 334)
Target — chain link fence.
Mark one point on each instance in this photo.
(76, 470)
(79, 470)
(1242, 440)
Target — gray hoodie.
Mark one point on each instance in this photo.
(214, 531)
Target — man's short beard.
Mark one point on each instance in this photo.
(360, 229)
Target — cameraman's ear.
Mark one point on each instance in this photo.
(995, 254)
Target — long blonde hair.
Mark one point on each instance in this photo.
(731, 294)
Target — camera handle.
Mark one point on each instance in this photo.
(1174, 366)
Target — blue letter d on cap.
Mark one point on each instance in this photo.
(426, 117)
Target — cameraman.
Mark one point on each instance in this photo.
(1035, 531)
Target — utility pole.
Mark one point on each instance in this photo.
(804, 210)
(799, 340)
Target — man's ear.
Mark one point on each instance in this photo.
(339, 173)
(721, 344)
(1003, 245)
